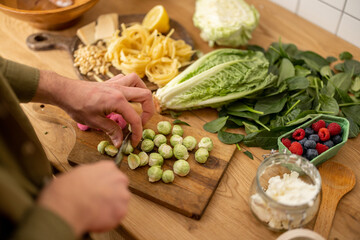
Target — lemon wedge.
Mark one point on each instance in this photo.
(157, 18)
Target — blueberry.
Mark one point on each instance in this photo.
(302, 141)
(327, 124)
(308, 131)
(310, 144)
(311, 154)
(314, 137)
(336, 139)
(329, 143)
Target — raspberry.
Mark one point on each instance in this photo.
(298, 134)
(286, 142)
(296, 148)
(319, 124)
(334, 129)
(321, 148)
(324, 134)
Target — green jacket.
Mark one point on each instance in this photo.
(24, 168)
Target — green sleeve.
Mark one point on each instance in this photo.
(23, 79)
(41, 224)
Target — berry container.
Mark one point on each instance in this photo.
(343, 122)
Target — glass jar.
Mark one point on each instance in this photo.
(285, 203)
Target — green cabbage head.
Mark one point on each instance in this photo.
(225, 22)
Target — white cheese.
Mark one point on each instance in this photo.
(106, 25)
(87, 33)
(289, 190)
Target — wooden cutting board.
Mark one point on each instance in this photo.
(187, 195)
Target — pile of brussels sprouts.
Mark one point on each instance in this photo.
(179, 148)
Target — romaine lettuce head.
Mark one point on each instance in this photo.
(225, 22)
(215, 79)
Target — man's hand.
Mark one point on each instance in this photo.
(89, 102)
(91, 197)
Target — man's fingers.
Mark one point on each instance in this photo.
(143, 96)
(131, 117)
(111, 128)
(131, 80)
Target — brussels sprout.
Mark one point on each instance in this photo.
(147, 145)
(111, 150)
(201, 155)
(176, 139)
(181, 168)
(133, 161)
(189, 142)
(159, 139)
(165, 151)
(177, 129)
(207, 143)
(155, 159)
(128, 148)
(168, 176)
(144, 158)
(154, 173)
(148, 134)
(101, 146)
(164, 127)
(180, 152)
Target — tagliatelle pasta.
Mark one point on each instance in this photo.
(157, 56)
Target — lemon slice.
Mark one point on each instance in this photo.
(157, 18)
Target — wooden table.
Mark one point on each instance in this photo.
(228, 215)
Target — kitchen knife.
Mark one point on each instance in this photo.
(120, 155)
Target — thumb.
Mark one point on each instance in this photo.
(113, 130)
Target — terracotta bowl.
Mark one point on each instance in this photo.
(45, 15)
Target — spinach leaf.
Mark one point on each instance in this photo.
(303, 117)
(326, 72)
(331, 59)
(353, 128)
(230, 138)
(301, 71)
(280, 121)
(339, 67)
(341, 81)
(352, 112)
(249, 154)
(265, 139)
(248, 115)
(355, 86)
(174, 114)
(328, 104)
(241, 107)
(235, 121)
(215, 125)
(177, 121)
(297, 83)
(286, 70)
(273, 104)
(341, 96)
(250, 128)
(352, 66)
(345, 56)
(313, 60)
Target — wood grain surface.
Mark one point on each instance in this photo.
(188, 195)
(228, 215)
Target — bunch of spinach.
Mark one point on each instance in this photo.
(306, 86)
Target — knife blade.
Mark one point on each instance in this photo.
(120, 155)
